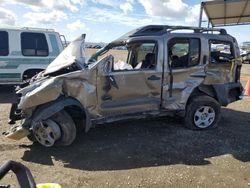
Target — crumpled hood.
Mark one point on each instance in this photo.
(78, 84)
(33, 90)
(74, 53)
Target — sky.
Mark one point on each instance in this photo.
(103, 20)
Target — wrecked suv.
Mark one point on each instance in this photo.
(151, 71)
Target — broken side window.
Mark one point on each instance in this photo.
(119, 53)
(141, 56)
(221, 51)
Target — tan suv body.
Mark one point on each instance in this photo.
(151, 71)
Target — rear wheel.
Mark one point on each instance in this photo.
(59, 129)
(203, 112)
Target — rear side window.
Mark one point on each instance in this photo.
(184, 52)
(4, 44)
(221, 51)
(34, 44)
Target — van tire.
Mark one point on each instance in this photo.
(202, 112)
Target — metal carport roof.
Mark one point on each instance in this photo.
(226, 12)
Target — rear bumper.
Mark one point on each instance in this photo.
(228, 93)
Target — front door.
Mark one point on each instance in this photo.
(134, 82)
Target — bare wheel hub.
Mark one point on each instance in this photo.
(204, 116)
(46, 132)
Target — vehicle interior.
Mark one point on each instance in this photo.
(183, 52)
(221, 52)
(133, 56)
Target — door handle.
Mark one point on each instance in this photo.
(153, 77)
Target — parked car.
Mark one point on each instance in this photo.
(245, 54)
(162, 72)
(26, 51)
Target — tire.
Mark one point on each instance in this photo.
(202, 112)
(67, 126)
(59, 129)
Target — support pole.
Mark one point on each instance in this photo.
(201, 13)
(208, 23)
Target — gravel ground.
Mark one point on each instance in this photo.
(143, 153)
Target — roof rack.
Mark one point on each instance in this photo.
(162, 29)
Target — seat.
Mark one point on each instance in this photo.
(149, 61)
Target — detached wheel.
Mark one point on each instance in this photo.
(203, 112)
(59, 129)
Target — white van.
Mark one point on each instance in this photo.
(25, 52)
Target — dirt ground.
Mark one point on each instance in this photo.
(143, 153)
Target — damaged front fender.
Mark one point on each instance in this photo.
(45, 97)
(79, 85)
(39, 93)
(49, 109)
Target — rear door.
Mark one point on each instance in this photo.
(186, 70)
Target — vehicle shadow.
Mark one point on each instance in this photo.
(148, 143)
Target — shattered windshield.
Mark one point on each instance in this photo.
(73, 53)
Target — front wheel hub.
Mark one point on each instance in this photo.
(46, 132)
